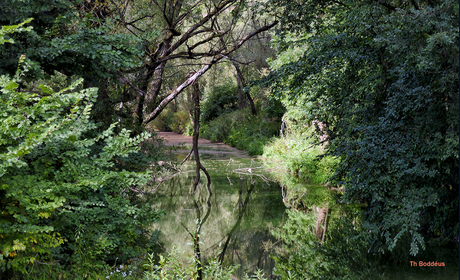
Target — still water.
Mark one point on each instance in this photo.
(236, 219)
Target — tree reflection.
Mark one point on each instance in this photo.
(196, 235)
(231, 225)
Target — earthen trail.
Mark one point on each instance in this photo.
(205, 146)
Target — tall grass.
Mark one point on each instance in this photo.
(298, 155)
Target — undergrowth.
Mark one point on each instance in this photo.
(170, 267)
(147, 267)
(299, 156)
(242, 130)
(346, 252)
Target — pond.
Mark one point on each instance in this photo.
(236, 219)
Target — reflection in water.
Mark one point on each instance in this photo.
(241, 211)
(196, 236)
(237, 218)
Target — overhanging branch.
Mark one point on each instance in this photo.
(174, 93)
(126, 81)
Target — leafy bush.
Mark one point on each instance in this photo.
(62, 39)
(172, 121)
(218, 130)
(222, 99)
(301, 157)
(180, 122)
(383, 77)
(65, 191)
(242, 130)
(343, 255)
(170, 267)
(164, 120)
(345, 252)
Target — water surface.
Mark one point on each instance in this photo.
(236, 219)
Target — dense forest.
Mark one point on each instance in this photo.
(359, 97)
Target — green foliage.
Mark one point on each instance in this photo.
(62, 40)
(9, 29)
(164, 121)
(345, 255)
(170, 267)
(65, 191)
(168, 120)
(383, 78)
(181, 122)
(301, 157)
(273, 108)
(342, 256)
(241, 130)
(222, 99)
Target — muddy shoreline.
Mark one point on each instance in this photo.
(204, 146)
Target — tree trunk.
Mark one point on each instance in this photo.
(239, 218)
(241, 103)
(139, 112)
(199, 226)
(241, 86)
(154, 87)
(196, 134)
(191, 79)
(196, 235)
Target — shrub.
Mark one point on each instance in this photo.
(301, 157)
(242, 130)
(164, 120)
(66, 191)
(172, 121)
(222, 99)
(342, 256)
(180, 122)
(169, 267)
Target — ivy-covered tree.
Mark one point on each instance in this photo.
(382, 77)
(66, 191)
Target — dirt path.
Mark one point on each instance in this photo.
(204, 146)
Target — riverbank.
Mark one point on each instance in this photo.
(184, 145)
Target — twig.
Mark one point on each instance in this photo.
(231, 184)
(229, 161)
(187, 230)
(189, 154)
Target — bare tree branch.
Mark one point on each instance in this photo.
(174, 93)
(221, 7)
(126, 81)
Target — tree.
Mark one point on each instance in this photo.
(194, 32)
(130, 48)
(66, 191)
(71, 38)
(65, 39)
(383, 78)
